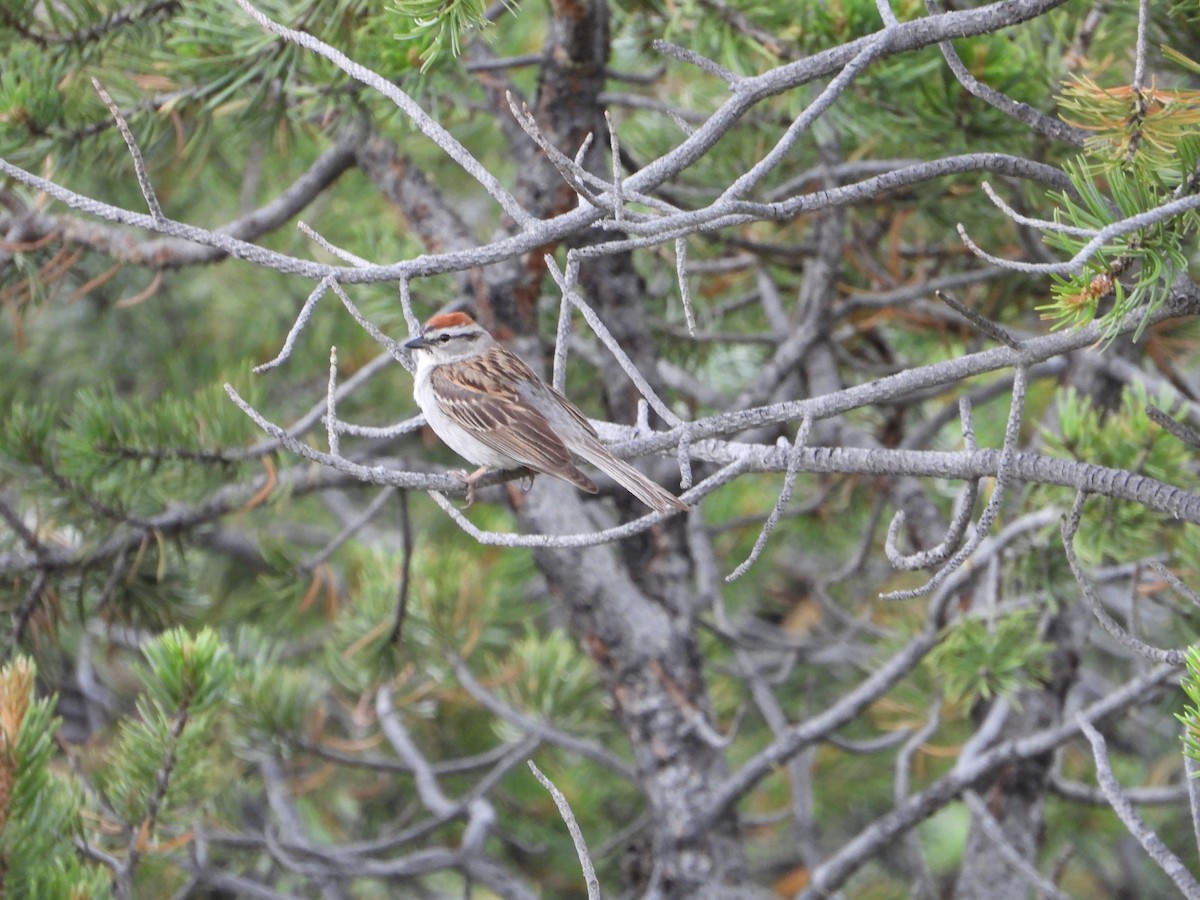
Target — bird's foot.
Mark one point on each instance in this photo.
(471, 479)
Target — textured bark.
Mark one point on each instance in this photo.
(630, 606)
(646, 653)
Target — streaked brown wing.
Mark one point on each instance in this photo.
(481, 396)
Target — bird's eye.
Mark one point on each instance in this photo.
(443, 338)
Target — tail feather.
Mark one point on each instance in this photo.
(649, 492)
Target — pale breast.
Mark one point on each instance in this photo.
(457, 438)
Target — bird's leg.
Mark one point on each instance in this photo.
(471, 479)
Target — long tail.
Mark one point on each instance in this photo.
(652, 494)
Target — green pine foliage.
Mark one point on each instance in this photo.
(163, 763)
(39, 808)
(436, 26)
(1143, 153)
(981, 658)
(1190, 717)
(272, 696)
(1121, 439)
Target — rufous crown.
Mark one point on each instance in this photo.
(448, 320)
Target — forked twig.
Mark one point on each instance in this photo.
(302, 318)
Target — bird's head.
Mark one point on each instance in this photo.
(449, 337)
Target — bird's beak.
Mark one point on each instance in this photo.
(417, 343)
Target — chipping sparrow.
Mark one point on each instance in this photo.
(493, 410)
